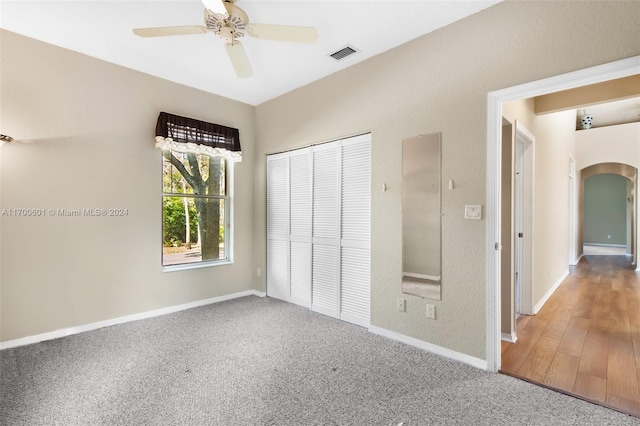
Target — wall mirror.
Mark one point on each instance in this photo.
(421, 214)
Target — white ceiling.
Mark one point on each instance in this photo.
(102, 29)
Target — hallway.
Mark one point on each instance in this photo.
(585, 340)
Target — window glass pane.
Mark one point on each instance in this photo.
(193, 230)
(172, 180)
(193, 174)
(215, 171)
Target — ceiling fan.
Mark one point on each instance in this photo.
(228, 21)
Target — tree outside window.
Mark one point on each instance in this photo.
(195, 208)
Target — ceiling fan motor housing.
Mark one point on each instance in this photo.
(227, 27)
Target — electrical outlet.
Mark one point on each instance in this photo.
(431, 311)
(259, 272)
(401, 305)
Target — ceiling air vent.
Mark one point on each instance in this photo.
(343, 53)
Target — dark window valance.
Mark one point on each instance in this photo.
(174, 130)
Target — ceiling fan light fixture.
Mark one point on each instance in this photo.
(236, 21)
(227, 34)
(231, 23)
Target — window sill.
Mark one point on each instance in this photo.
(186, 266)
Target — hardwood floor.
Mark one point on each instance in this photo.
(585, 340)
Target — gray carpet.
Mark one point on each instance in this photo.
(254, 361)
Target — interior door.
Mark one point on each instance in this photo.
(278, 226)
(523, 242)
(300, 190)
(355, 262)
(326, 229)
(319, 226)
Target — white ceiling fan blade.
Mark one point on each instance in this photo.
(170, 31)
(239, 59)
(216, 6)
(283, 33)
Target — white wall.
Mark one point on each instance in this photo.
(440, 82)
(87, 131)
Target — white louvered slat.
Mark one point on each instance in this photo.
(318, 228)
(278, 226)
(325, 280)
(355, 259)
(300, 171)
(278, 195)
(356, 190)
(301, 274)
(326, 229)
(300, 192)
(278, 269)
(355, 286)
(325, 191)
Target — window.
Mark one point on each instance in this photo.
(194, 208)
(197, 167)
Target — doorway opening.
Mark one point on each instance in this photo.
(609, 209)
(496, 99)
(495, 207)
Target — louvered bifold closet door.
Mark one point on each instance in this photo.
(278, 226)
(326, 229)
(300, 210)
(355, 262)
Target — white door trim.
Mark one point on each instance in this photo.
(495, 100)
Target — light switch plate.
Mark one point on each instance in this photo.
(472, 211)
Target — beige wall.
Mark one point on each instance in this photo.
(554, 143)
(90, 130)
(521, 110)
(59, 273)
(440, 82)
(622, 145)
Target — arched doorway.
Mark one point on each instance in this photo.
(631, 174)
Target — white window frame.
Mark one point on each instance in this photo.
(228, 224)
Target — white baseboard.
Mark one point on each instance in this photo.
(121, 320)
(510, 337)
(430, 347)
(575, 262)
(548, 294)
